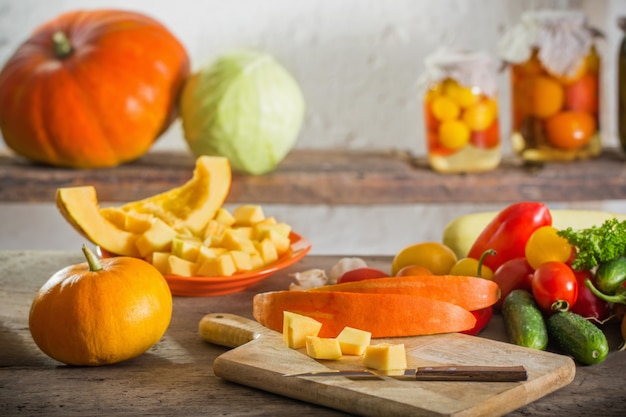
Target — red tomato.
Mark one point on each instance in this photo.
(514, 274)
(588, 304)
(570, 129)
(360, 274)
(554, 285)
(413, 270)
(583, 94)
(482, 319)
(487, 138)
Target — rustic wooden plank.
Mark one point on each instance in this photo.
(334, 177)
(175, 377)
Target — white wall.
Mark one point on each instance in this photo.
(357, 62)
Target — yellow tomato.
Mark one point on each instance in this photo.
(445, 108)
(545, 245)
(469, 267)
(454, 134)
(435, 256)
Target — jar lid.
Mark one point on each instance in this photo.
(469, 68)
(563, 39)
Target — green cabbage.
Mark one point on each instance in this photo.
(245, 107)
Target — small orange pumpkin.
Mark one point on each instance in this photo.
(101, 312)
(91, 89)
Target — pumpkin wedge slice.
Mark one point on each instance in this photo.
(191, 206)
(393, 315)
(79, 206)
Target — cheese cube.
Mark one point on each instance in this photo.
(181, 267)
(385, 356)
(222, 266)
(353, 341)
(323, 348)
(297, 327)
(248, 214)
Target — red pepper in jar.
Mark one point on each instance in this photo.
(509, 231)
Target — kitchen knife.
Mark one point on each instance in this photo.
(432, 373)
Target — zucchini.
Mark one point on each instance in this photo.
(578, 337)
(524, 321)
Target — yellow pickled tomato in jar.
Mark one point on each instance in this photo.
(481, 115)
(461, 95)
(444, 108)
(454, 134)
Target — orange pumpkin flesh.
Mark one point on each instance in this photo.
(102, 103)
(89, 316)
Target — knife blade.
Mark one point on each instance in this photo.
(431, 373)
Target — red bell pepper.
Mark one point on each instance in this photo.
(483, 316)
(509, 231)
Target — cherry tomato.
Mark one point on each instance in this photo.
(554, 286)
(482, 319)
(587, 304)
(469, 267)
(360, 274)
(545, 245)
(435, 256)
(514, 274)
(413, 270)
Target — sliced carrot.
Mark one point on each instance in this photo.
(471, 293)
(384, 315)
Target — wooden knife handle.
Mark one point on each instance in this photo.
(228, 330)
(472, 373)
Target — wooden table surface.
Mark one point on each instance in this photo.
(175, 377)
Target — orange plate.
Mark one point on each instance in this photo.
(210, 286)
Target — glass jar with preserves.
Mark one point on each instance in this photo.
(461, 112)
(554, 86)
(621, 89)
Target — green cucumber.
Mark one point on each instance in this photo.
(524, 321)
(578, 337)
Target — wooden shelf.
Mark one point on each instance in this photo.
(333, 177)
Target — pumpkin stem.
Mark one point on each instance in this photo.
(62, 45)
(92, 259)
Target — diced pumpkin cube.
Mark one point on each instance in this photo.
(115, 215)
(241, 260)
(158, 238)
(262, 228)
(222, 266)
(280, 242)
(186, 247)
(214, 228)
(223, 216)
(353, 341)
(256, 260)
(267, 250)
(245, 231)
(233, 241)
(385, 356)
(323, 348)
(137, 222)
(181, 267)
(160, 261)
(248, 214)
(205, 253)
(297, 327)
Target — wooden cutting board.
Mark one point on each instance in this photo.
(261, 360)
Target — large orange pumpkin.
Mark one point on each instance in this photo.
(101, 312)
(91, 89)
